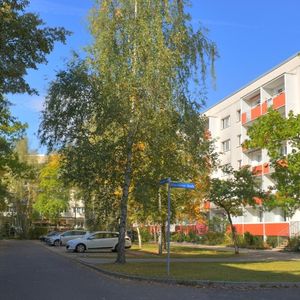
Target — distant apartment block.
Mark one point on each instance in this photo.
(74, 216)
(228, 122)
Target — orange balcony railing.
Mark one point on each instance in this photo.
(255, 112)
(257, 170)
(266, 168)
(279, 101)
(264, 108)
(261, 169)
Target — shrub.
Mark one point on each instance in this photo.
(217, 224)
(35, 232)
(251, 241)
(294, 244)
(213, 238)
(275, 241)
(178, 237)
(192, 237)
(146, 236)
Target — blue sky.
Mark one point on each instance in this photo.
(252, 37)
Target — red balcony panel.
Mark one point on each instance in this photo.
(254, 229)
(277, 229)
(258, 201)
(244, 118)
(266, 168)
(206, 205)
(271, 229)
(282, 162)
(257, 170)
(264, 108)
(255, 112)
(279, 101)
(238, 229)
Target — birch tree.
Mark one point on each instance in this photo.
(142, 121)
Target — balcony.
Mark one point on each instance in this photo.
(260, 170)
(251, 115)
(276, 102)
(279, 101)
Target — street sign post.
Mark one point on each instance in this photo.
(175, 185)
(182, 185)
(164, 181)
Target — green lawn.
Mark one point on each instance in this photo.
(179, 251)
(280, 271)
(150, 251)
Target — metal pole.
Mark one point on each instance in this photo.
(168, 226)
(160, 223)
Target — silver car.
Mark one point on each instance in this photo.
(62, 238)
(97, 240)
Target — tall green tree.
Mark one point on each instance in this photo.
(10, 131)
(22, 187)
(275, 133)
(24, 43)
(53, 196)
(142, 62)
(238, 190)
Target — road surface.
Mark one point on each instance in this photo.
(30, 271)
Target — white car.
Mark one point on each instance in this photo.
(62, 238)
(97, 240)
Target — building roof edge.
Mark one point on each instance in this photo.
(252, 81)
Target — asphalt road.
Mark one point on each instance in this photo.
(30, 271)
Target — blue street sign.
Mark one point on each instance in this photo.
(163, 181)
(182, 185)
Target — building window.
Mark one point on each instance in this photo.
(226, 145)
(239, 137)
(238, 115)
(225, 123)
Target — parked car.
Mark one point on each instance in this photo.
(43, 238)
(97, 240)
(61, 238)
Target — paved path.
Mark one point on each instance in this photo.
(29, 271)
(247, 255)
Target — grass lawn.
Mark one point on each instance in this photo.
(280, 271)
(150, 251)
(178, 251)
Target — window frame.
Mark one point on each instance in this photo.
(228, 147)
(225, 122)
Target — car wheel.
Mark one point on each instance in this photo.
(57, 243)
(80, 248)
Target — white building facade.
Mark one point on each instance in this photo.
(228, 122)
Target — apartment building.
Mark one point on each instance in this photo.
(228, 122)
